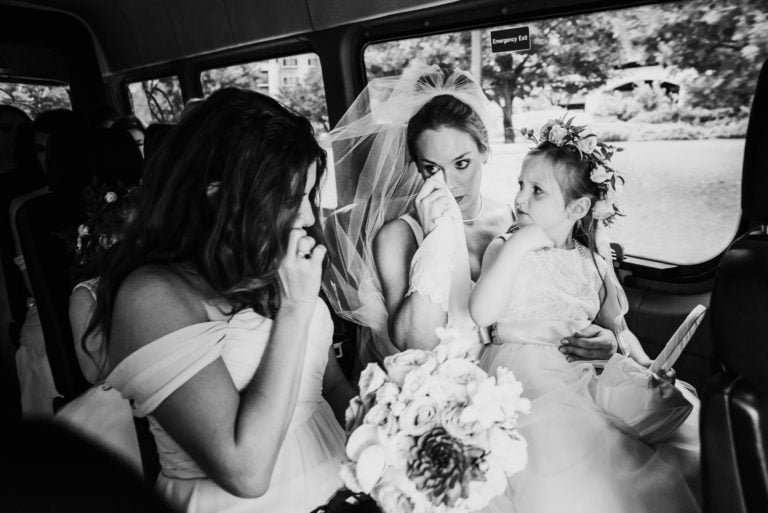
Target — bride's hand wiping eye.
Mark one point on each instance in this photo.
(432, 202)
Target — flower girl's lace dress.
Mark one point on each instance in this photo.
(578, 462)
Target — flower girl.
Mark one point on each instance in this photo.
(545, 280)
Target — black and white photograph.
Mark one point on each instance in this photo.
(394, 256)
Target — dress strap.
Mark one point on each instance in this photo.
(89, 285)
(415, 227)
(153, 372)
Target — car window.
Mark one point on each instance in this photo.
(157, 100)
(295, 80)
(34, 98)
(671, 84)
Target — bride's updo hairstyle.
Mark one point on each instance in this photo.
(220, 196)
(445, 110)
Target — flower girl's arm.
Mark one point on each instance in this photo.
(501, 263)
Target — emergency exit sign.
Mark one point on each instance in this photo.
(510, 40)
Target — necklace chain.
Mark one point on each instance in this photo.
(478, 214)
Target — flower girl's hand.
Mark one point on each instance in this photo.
(301, 269)
(432, 201)
(532, 237)
(664, 382)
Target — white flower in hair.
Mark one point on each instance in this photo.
(587, 144)
(557, 135)
(599, 174)
(83, 230)
(603, 209)
(110, 197)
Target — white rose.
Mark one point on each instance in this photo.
(370, 467)
(110, 197)
(83, 230)
(481, 492)
(444, 390)
(587, 144)
(509, 391)
(371, 379)
(461, 371)
(361, 438)
(602, 210)
(599, 174)
(392, 500)
(349, 477)
(508, 451)
(458, 425)
(557, 135)
(420, 416)
(387, 394)
(413, 384)
(381, 416)
(398, 447)
(399, 364)
(485, 405)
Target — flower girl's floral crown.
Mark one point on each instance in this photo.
(107, 210)
(562, 132)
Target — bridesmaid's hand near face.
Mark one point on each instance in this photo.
(301, 269)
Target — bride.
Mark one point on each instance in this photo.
(216, 331)
(419, 143)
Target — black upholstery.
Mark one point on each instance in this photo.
(27, 177)
(49, 468)
(734, 423)
(154, 137)
(754, 180)
(73, 162)
(39, 222)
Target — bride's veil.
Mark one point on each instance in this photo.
(368, 148)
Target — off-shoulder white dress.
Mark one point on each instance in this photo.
(306, 474)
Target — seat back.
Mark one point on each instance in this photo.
(109, 156)
(156, 134)
(26, 177)
(734, 424)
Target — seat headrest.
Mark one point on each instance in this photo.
(65, 158)
(738, 310)
(156, 134)
(113, 156)
(754, 182)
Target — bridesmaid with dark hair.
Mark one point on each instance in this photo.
(211, 316)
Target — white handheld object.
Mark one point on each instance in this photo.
(674, 348)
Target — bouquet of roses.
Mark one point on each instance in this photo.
(433, 432)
